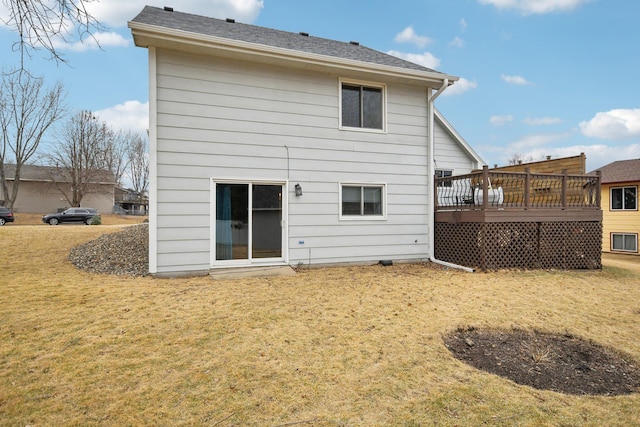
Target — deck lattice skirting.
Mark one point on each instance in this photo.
(526, 245)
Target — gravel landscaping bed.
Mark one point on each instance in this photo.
(122, 253)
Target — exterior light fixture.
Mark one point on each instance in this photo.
(298, 190)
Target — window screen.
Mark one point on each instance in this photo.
(362, 200)
(362, 107)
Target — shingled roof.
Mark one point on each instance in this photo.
(50, 173)
(298, 42)
(620, 171)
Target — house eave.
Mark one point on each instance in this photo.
(618, 183)
(146, 35)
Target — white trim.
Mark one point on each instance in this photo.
(634, 235)
(382, 217)
(153, 165)
(363, 83)
(623, 209)
(284, 259)
(146, 34)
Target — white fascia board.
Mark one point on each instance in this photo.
(146, 35)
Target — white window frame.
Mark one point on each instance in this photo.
(444, 173)
(284, 259)
(611, 208)
(363, 83)
(625, 235)
(363, 217)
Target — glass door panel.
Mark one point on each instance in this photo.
(266, 218)
(232, 221)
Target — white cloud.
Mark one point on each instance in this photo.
(515, 80)
(130, 115)
(537, 140)
(459, 87)
(408, 35)
(117, 13)
(425, 59)
(500, 120)
(457, 42)
(599, 155)
(529, 7)
(99, 40)
(616, 124)
(542, 121)
(463, 24)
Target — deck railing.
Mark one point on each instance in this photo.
(130, 198)
(489, 190)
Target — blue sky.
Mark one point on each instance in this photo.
(537, 77)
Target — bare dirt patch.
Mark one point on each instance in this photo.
(559, 362)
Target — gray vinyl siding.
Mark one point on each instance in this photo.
(450, 155)
(224, 119)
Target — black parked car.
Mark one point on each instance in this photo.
(78, 215)
(6, 215)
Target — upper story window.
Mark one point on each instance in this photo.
(362, 106)
(624, 198)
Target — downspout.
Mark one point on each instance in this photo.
(431, 216)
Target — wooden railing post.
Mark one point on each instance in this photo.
(527, 187)
(598, 188)
(435, 193)
(564, 189)
(485, 187)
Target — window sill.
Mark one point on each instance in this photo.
(363, 218)
(366, 130)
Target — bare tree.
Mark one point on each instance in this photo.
(518, 158)
(27, 111)
(43, 24)
(138, 170)
(115, 151)
(77, 159)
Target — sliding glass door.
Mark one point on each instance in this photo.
(248, 222)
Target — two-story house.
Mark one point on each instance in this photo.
(271, 148)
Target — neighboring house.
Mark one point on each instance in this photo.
(621, 217)
(129, 202)
(273, 148)
(37, 192)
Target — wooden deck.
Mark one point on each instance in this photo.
(494, 220)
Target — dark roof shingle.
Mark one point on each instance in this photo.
(620, 171)
(51, 173)
(269, 37)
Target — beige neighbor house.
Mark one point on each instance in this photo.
(38, 193)
(270, 148)
(621, 214)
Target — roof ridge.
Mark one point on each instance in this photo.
(270, 37)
